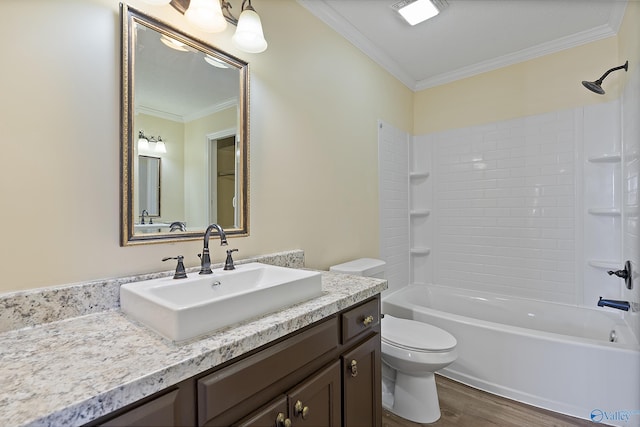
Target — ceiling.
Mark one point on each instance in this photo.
(179, 85)
(469, 36)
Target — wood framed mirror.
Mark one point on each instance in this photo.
(185, 103)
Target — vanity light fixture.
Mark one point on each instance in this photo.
(160, 145)
(151, 143)
(143, 141)
(212, 16)
(416, 11)
(206, 15)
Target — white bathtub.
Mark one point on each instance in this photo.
(553, 356)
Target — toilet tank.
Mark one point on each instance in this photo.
(368, 267)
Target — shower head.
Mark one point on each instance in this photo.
(597, 85)
(593, 87)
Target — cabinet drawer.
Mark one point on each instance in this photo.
(230, 386)
(360, 319)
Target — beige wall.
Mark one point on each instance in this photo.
(315, 100)
(548, 83)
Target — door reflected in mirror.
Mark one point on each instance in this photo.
(184, 104)
(148, 186)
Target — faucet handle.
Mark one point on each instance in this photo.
(180, 271)
(228, 264)
(625, 274)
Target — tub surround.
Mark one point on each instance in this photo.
(70, 366)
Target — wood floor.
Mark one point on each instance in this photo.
(463, 406)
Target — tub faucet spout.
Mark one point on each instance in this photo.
(205, 259)
(614, 303)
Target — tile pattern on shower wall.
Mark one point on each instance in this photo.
(505, 207)
(393, 194)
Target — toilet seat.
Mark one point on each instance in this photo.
(416, 336)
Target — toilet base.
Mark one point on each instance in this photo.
(416, 398)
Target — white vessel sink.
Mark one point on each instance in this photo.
(180, 309)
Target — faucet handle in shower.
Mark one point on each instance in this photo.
(624, 274)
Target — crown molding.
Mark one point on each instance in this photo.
(326, 14)
(229, 103)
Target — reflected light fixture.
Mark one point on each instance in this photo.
(417, 11)
(160, 146)
(212, 16)
(143, 141)
(150, 143)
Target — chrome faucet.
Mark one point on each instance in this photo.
(144, 211)
(205, 260)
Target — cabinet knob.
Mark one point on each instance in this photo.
(353, 367)
(301, 410)
(367, 320)
(281, 421)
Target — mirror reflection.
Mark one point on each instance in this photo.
(148, 187)
(184, 134)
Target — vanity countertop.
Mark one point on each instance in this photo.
(72, 371)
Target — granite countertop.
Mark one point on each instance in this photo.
(71, 371)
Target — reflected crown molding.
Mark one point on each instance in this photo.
(229, 103)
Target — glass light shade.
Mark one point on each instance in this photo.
(249, 36)
(206, 15)
(143, 143)
(160, 146)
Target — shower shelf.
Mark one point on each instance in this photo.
(605, 264)
(420, 212)
(420, 251)
(604, 211)
(606, 158)
(418, 175)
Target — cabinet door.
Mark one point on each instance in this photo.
(316, 401)
(362, 385)
(160, 412)
(270, 415)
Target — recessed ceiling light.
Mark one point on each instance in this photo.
(416, 11)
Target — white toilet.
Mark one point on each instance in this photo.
(411, 352)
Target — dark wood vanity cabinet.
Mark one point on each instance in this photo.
(327, 374)
(314, 402)
(362, 384)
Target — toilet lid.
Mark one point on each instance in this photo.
(414, 335)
